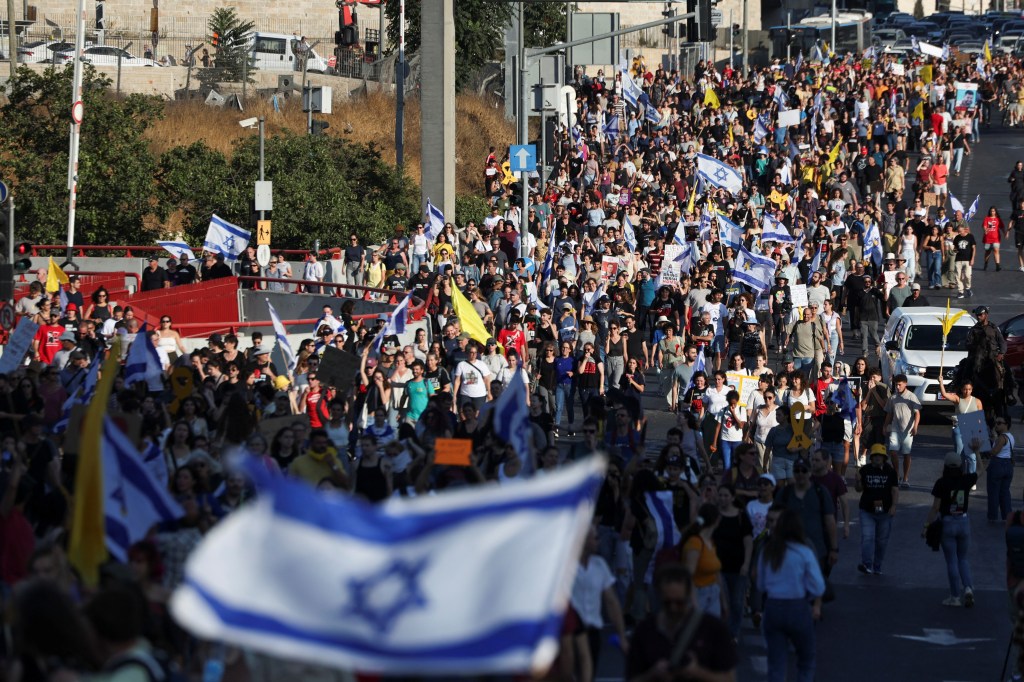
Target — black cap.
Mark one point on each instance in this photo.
(981, 309)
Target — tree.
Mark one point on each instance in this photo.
(479, 28)
(545, 23)
(115, 167)
(232, 49)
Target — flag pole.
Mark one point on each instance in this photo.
(77, 107)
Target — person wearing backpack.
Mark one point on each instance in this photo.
(814, 505)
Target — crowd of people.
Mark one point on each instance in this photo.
(638, 278)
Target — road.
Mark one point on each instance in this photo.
(893, 627)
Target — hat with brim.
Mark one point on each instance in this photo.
(663, 321)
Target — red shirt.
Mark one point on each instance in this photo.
(314, 409)
(513, 339)
(992, 225)
(48, 337)
(820, 392)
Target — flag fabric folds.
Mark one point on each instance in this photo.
(55, 277)
(720, 174)
(224, 238)
(753, 270)
(133, 499)
(143, 363)
(282, 337)
(395, 324)
(659, 505)
(512, 416)
(176, 249)
(973, 209)
(955, 203)
(435, 221)
(711, 98)
(87, 548)
(468, 318)
(430, 585)
(730, 232)
(628, 234)
(774, 231)
(631, 92)
(611, 126)
(873, 244)
(82, 396)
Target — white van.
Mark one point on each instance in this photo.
(912, 345)
(277, 52)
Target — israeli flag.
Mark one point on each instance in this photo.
(973, 209)
(720, 174)
(470, 582)
(730, 232)
(799, 62)
(914, 45)
(631, 92)
(816, 55)
(779, 97)
(143, 363)
(704, 231)
(590, 300)
(753, 270)
(761, 128)
(512, 416)
(659, 505)
(62, 298)
(774, 231)
(689, 258)
(611, 127)
(396, 322)
(955, 204)
(549, 259)
(628, 234)
(176, 249)
(679, 236)
(873, 244)
(82, 396)
(225, 238)
(435, 221)
(133, 499)
(282, 337)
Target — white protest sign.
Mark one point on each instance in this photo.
(18, 346)
(798, 294)
(789, 118)
(669, 265)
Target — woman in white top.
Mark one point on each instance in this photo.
(908, 251)
(1000, 470)
(168, 339)
(761, 422)
(964, 402)
(833, 324)
(801, 393)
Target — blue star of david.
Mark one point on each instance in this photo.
(229, 243)
(383, 597)
(721, 175)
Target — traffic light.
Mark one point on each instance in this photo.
(319, 127)
(215, 40)
(692, 33)
(669, 29)
(22, 257)
(705, 29)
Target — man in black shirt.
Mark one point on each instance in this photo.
(397, 281)
(186, 272)
(879, 491)
(215, 267)
(1017, 223)
(966, 247)
(154, 277)
(420, 283)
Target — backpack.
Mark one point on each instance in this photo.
(1015, 545)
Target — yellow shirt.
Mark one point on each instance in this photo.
(708, 565)
(312, 470)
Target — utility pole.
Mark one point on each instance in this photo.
(12, 39)
(832, 45)
(524, 125)
(262, 130)
(746, 40)
(77, 110)
(570, 71)
(789, 32)
(400, 90)
(730, 38)
(309, 107)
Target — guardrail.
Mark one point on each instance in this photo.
(332, 285)
(81, 251)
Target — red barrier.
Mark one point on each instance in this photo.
(195, 303)
(82, 250)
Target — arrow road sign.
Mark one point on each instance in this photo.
(4, 192)
(523, 158)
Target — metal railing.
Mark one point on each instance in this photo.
(333, 285)
(82, 250)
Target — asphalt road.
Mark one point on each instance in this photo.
(893, 627)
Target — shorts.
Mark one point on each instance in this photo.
(718, 344)
(834, 450)
(901, 444)
(940, 189)
(992, 247)
(1019, 239)
(847, 431)
(782, 468)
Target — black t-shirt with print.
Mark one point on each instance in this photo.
(954, 492)
(965, 246)
(877, 484)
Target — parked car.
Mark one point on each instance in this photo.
(279, 52)
(903, 47)
(912, 345)
(888, 36)
(40, 51)
(106, 55)
(1013, 332)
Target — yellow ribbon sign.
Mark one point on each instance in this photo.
(798, 419)
(948, 321)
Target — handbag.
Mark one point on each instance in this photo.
(933, 534)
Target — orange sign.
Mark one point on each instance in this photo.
(453, 451)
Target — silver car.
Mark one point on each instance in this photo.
(105, 55)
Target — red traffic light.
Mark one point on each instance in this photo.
(23, 249)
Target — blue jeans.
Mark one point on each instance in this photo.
(709, 599)
(800, 363)
(956, 540)
(875, 528)
(563, 401)
(736, 587)
(933, 266)
(727, 446)
(785, 621)
(958, 158)
(416, 260)
(1000, 474)
(968, 457)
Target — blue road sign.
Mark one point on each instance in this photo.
(523, 157)
(3, 192)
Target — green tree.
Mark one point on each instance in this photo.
(545, 23)
(115, 168)
(479, 28)
(324, 188)
(233, 47)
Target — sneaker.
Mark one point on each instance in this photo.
(960, 295)
(1022, 268)
(866, 570)
(904, 485)
(970, 294)
(968, 598)
(878, 570)
(951, 601)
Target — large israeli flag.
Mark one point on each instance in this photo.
(730, 232)
(720, 174)
(474, 581)
(631, 92)
(435, 221)
(226, 238)
(143, 363)
(281, 334)
(873, 244)
(628, 233)
(133, 500)
(973, 209)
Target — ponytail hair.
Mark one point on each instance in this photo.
(707, 515)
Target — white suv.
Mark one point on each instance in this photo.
(912, 345)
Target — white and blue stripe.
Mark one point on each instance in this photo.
(282, 338)
(225, 238)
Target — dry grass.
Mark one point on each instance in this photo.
(365, 120)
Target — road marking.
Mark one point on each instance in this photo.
(942, 638)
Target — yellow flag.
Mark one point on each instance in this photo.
(469, 320)
(693, 199)
(827, 50)
(988, 53)
(834, 154)
(711, 99)
(918, 111)
(55, 277)
(732, 137)
(88, 547)
(926, 74)
(948, 321)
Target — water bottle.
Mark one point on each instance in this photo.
(213, 670)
